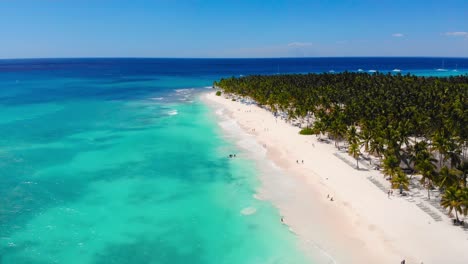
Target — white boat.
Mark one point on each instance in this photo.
(372, 71)
(331, 71)
(396, 70)
(360, 70)
(443, 67)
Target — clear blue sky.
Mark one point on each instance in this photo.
(251, 28)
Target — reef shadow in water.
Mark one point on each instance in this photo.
(147, 251)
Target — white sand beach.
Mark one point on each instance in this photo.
(362, 224)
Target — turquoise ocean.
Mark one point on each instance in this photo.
(118, 161)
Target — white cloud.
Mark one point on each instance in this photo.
(457, 34)
(299, 44)
(398, 35)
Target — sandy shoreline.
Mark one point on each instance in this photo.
(361, 225)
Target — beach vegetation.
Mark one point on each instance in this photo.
(355, 152)
(411, 122)
(218, 93)
(307, 131)
(400, 180)
(454, 199)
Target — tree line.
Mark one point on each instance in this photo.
(414, 124)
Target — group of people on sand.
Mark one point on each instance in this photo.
(390, 192)
(331, 198)
(232, 156)
(297, 161)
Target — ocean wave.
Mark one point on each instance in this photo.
(248, 211)
(258, 197)
(172, 112)
(184, 91)
(157, 98)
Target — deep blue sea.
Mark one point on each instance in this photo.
(118, 161)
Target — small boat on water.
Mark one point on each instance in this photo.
(372, 71)
(331, 71)
(360, 70)
(396, 70)
(443, 67)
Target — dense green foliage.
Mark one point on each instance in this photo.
(307, 131)
(404, 118)
(218, 93)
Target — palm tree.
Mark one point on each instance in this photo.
(424, 164)
(465, 201)
(427, 170)
(448, 177)
(366, 137)
(454, 155)
(376, 146)
(354, 151)
(391, 165)
(352, 135)
(400, 180)
(440, 144)
(319, 128)
(453, 200)
(463, 168)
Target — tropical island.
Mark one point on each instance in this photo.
(411, 130)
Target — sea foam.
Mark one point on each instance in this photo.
(248, 211)
(172, 112)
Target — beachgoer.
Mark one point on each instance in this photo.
(388, 193)
(297, 161)
(328, 196)
(403, 261)
(282, 219)
(302, 161)
(331, 199)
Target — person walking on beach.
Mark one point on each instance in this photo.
(388, 193)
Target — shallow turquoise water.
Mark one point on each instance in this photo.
(129, 181)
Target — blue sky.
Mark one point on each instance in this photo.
(117, 28)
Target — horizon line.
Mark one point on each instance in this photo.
(224, 58)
